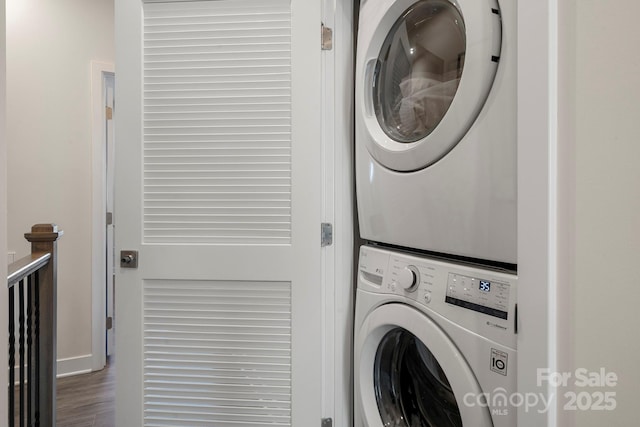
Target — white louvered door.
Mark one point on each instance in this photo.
(218, 187)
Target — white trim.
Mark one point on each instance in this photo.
(98, 254)
(338, 196)
(328, 282)
(344, 197)
(74, 366)
(552, 257)
(537, 200)
(69, 367)
(4, 327)
(566, 198)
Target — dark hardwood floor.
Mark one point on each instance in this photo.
(87, 400)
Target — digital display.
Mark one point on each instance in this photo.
(481, 295)
(485, 286)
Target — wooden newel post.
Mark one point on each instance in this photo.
(43, 238)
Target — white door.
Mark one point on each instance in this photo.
(218, 189)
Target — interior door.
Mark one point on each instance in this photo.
(218, 189)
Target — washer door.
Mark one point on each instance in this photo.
(410, 374)
(425, 74)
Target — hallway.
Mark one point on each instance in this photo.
(87, 400)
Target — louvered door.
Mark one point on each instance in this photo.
(218, 188)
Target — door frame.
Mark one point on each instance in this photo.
(4, 296)
(99, 200)
(338, 280)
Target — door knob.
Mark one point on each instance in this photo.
(129, 259)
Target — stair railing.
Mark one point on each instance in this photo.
(32, 287)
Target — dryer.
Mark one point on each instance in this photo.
(435, 343)
(436, 126)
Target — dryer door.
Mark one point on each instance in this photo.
(424, 73)
(410, 374)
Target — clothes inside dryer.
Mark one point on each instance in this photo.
(411, 388)
(419, 69)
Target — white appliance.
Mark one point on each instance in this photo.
(435, 343)
(436, 126)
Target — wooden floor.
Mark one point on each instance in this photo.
(87, 400)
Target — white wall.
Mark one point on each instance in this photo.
(50, 45)
(579, 127)
(607, 156)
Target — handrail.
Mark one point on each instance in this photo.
(25, 266)
(32, 341)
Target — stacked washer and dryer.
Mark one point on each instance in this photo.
(436, 315)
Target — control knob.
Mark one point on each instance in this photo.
(408, 278)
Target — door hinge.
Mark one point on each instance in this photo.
(327, 38)
(109, 323)
(108, 113)
(326, 234)
(326, 422)
(109, 218)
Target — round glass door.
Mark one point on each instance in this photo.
(411, 387)
(424, 69)
(408, 373)
(419, 69)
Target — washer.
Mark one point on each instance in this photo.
(436, 126)
(435, 343)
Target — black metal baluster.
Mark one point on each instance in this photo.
(12, 356)
(32, 346)
(21, 348)
(36, 303)
(29, 347)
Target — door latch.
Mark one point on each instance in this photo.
(129, 259)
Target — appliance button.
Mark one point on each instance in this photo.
(408, 278)
(427, 297)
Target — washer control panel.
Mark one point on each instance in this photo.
(481, 295)
(479, 299)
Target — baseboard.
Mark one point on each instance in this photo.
(68, 367)
(74, 365)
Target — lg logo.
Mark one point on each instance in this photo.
(499, 361)
(498, 364)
